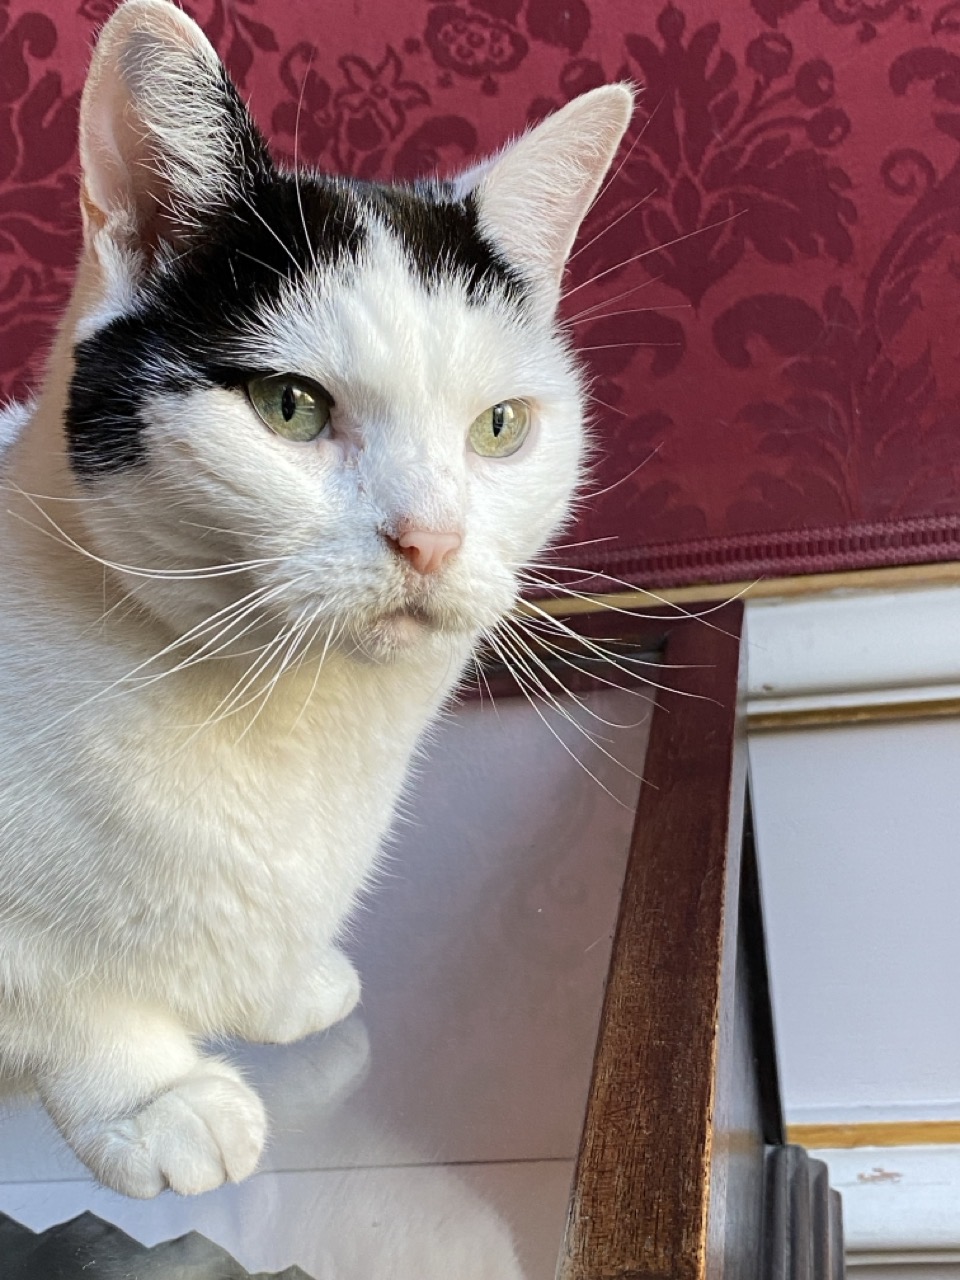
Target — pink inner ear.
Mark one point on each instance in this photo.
(123, 188)
(155, 145)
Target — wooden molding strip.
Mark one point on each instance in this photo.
(760, 721)
(911, 575)
(803, 1219)
(891, 1133)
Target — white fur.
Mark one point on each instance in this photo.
(177, 865)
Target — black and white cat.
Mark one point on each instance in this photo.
(298, 437)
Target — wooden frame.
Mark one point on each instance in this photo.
(657, 1144)
(684, 1106)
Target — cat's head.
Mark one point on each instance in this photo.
(357, 391)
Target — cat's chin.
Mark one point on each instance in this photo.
(396, 634)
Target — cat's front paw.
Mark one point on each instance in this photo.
(207, 1129)
(329, 994)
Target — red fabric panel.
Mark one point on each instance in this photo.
(768, 291)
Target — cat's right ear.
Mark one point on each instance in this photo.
(164, 136)
(532, 197)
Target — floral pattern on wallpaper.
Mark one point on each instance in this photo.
(766, 292)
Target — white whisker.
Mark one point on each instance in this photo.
(711, 226)
(332, 634)
(699, 616)
(610, 225)
(588, 312)
(296, 635)
(613, 660)
(519, 638)
(172, 575)
(296, 170)
(599, 493)
(521, 685)
(563, 655)
(633, 311)
(266, 225)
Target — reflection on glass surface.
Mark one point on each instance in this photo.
(431, 1136)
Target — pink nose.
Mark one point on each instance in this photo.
(427, 549)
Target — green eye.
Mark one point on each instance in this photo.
(291, 407)
(501, 430)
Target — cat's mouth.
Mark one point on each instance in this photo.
(405, 625)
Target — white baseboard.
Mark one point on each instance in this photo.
(901, 1205)
(812, 652)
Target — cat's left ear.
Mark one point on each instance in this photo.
(164, 136)
(532, 198)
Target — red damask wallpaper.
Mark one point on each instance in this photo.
(767, 292)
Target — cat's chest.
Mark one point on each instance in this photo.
(310, 777)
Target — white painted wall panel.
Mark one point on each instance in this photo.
(859, 836)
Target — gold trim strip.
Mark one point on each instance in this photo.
(894, 1133)
(911, 575)
(862, 713)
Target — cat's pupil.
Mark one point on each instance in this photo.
(497, 416)
(288, 402)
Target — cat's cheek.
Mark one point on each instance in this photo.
(322, 459)
(341, 449)
(335, 447)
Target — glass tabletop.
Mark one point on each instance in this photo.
(433, 1134)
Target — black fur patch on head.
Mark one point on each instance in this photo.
(442, 238)
(191, 310)
(250, 153)
(273, 228)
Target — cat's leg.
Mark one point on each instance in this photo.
(327, 992)
(140, 1106)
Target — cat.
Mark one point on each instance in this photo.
(297, 438)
